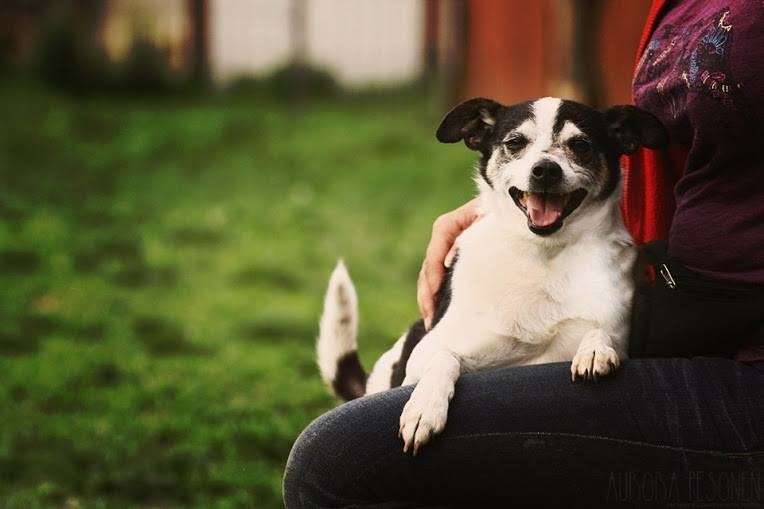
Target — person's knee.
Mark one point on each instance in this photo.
(329, 457)
(304, 469)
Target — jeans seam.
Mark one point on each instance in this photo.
(604, 438)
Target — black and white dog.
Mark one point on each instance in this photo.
(545, 274)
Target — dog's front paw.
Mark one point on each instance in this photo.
(594, 358)
(423, 417)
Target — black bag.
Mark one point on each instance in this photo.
(683, 314)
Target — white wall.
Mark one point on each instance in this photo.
(248, 36)
(361, 42)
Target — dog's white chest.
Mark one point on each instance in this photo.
(526, 292)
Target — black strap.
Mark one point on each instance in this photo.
(655, 252)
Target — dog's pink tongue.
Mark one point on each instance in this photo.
(544, 209)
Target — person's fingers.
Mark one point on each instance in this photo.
(440, 252)
(444, 233)
(468, 219)
(426, 299)
(432, 270)
(466, 214)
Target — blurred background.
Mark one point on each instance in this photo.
(177, 180)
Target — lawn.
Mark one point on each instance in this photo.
(162, 266)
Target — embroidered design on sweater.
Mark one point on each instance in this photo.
(686, 59)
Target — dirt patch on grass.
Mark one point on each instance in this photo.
(256, 445)
(271, 277)
(124, 261)
(163, 337)
(10, 212)
(142, 276)
(15, 343)
(24, 333)
(197, 237)
(276, 330)
(19, 261)
(124, 250)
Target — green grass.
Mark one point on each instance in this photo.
(162, 266)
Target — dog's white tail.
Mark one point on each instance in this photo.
(336, 346)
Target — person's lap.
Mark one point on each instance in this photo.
(659, 431)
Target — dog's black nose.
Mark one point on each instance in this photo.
(546, 173)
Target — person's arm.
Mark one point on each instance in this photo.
(439, 254)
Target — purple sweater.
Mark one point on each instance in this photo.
(702, 74)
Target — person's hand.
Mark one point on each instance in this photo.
(440, 254)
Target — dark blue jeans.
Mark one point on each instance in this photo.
(671, 432)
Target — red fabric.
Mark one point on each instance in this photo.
(648, 198)
(650, 176)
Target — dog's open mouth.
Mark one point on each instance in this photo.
(546, 211)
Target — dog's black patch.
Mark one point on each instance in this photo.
(613, 132)
(592, 123)
(414, 335)
(586, 118)
(483, 168)
(464, 122)
(350, 380)
(630, 127)
(472, 121)
(417, 331)
(508, 119)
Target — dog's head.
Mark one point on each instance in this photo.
(551, 158)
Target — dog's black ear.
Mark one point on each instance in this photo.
(630, 127)
(470, 121)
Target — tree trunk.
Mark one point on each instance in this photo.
(198, 54)
(587, 15)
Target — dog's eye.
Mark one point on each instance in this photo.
(580, 146)
(515, 143)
